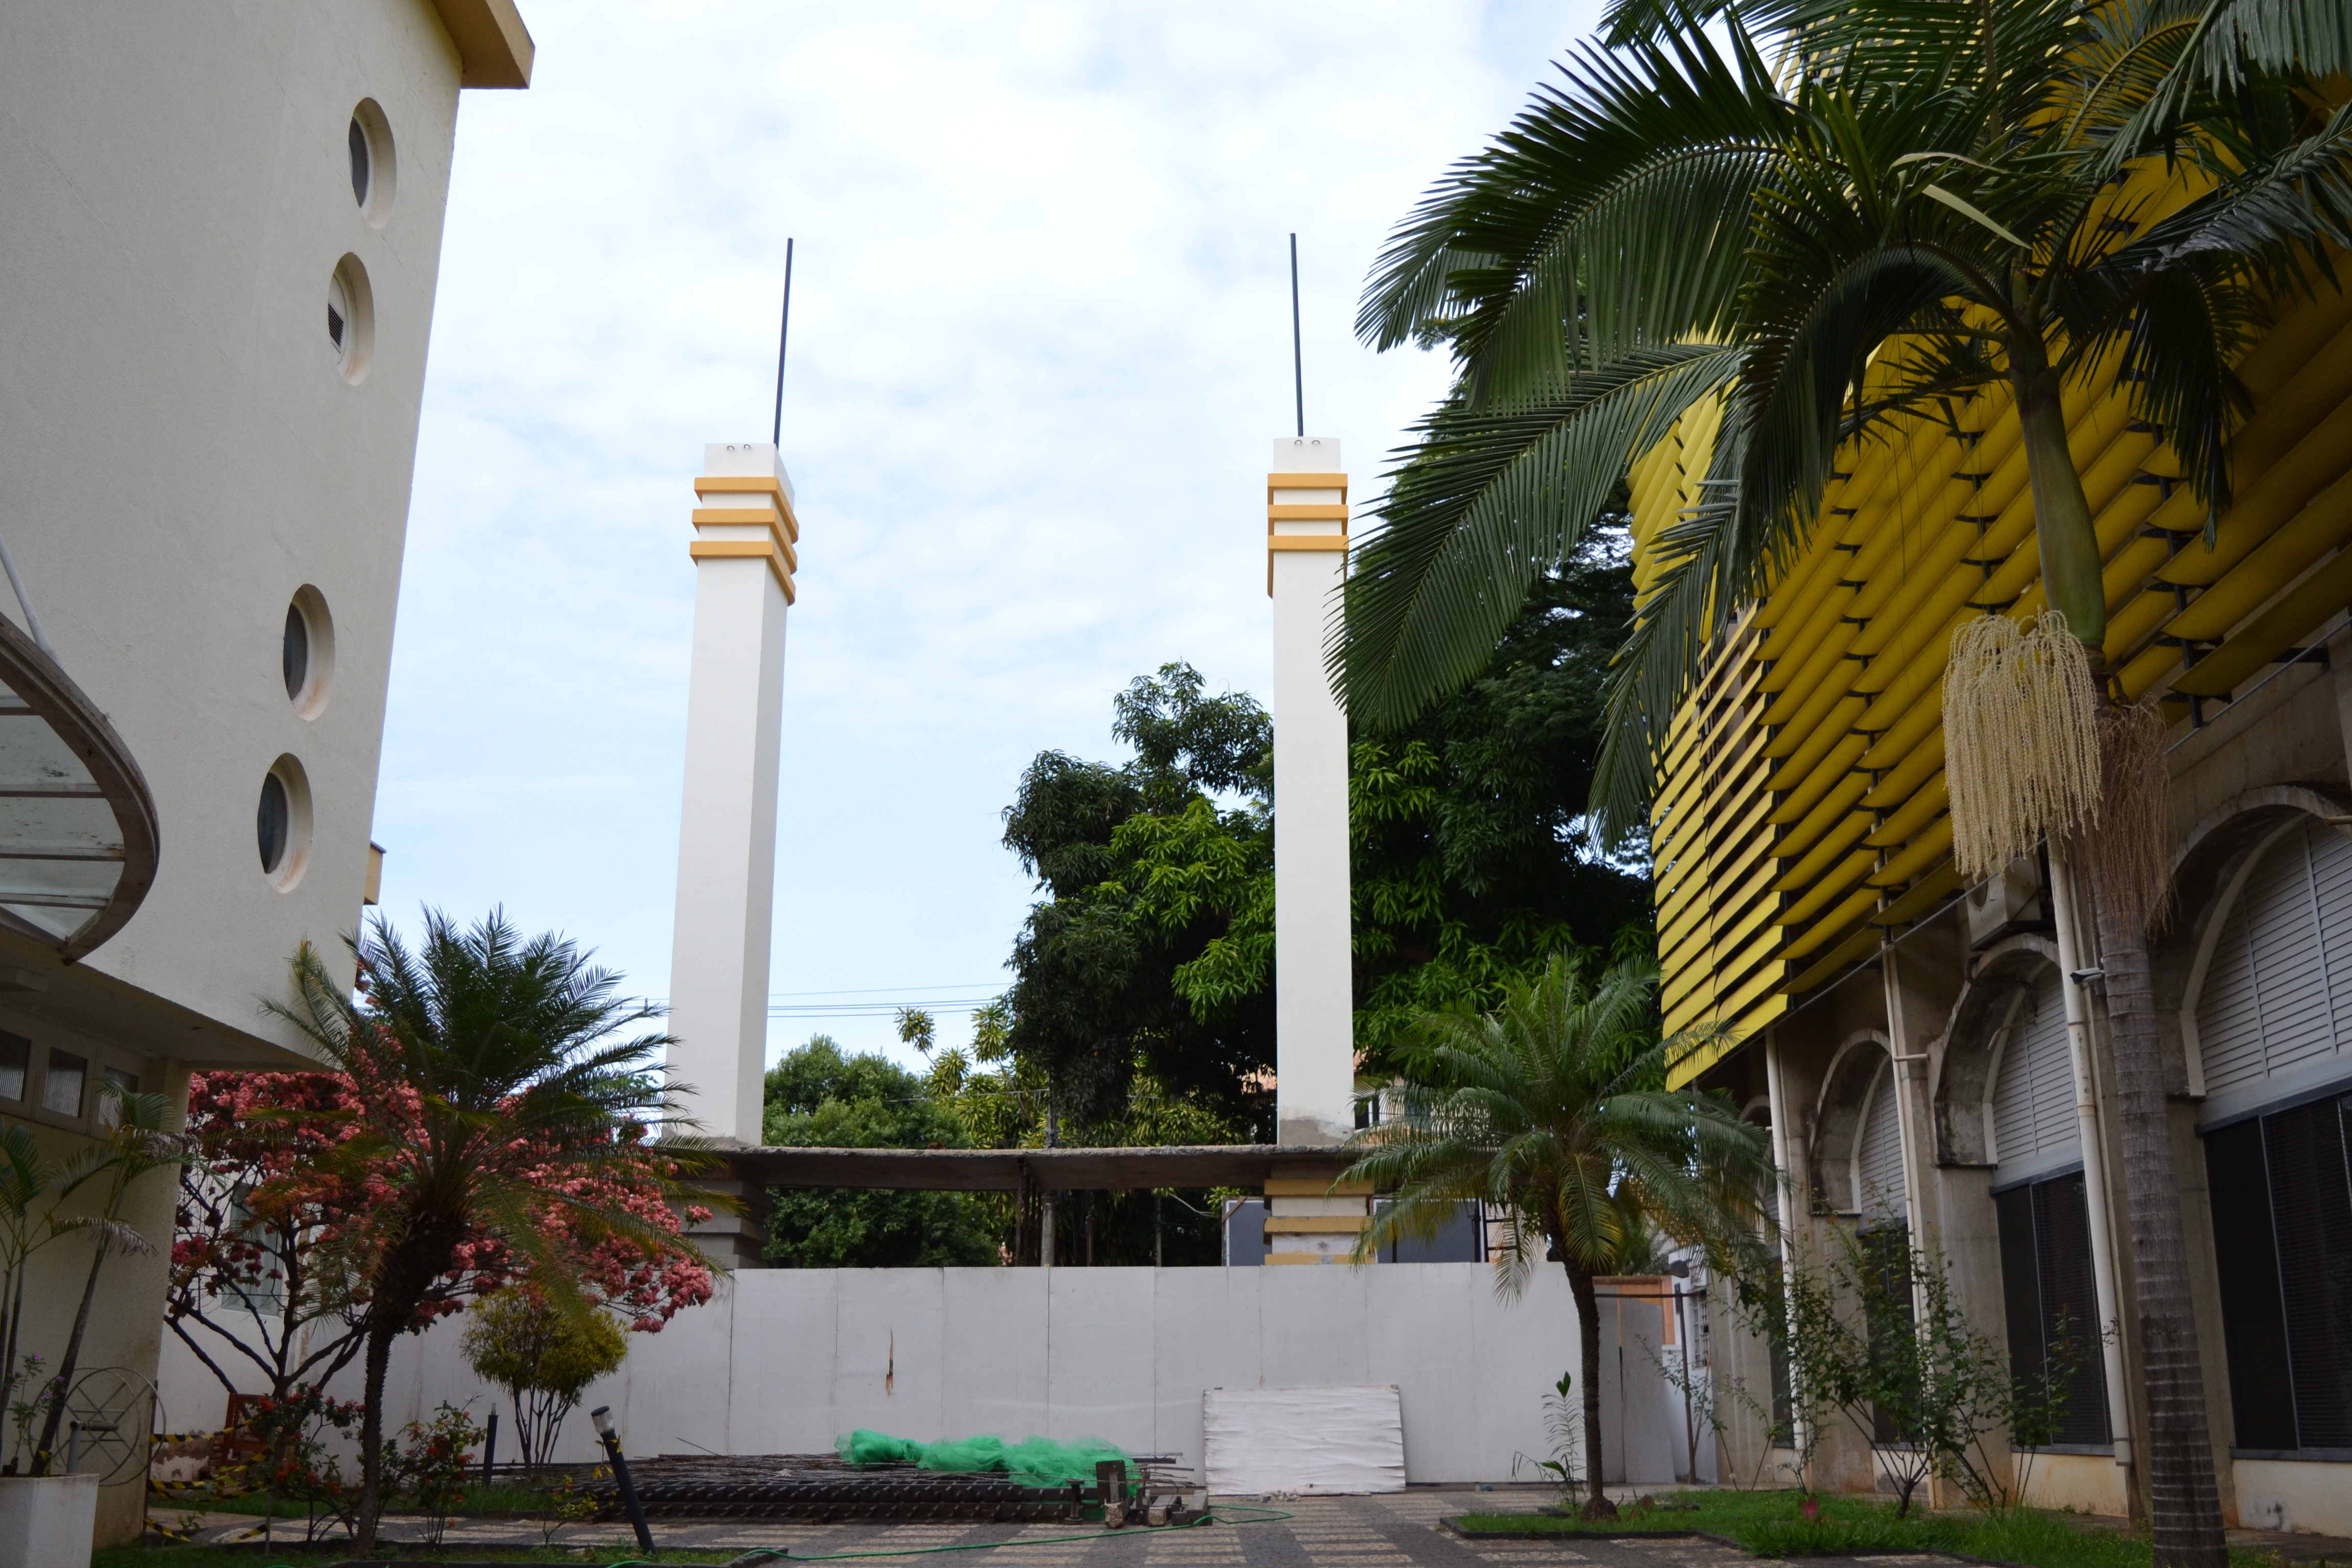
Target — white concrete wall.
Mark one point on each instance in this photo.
(183, 454)
(785, 1360)
(2294, 1494)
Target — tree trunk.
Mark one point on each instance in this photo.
(65, 1364)
(1588, 1346)
(379, 1360)
(2068, 544)
(2184, 1502)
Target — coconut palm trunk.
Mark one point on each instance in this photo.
(2184, 1499)
(378, 1362)
(45, 1451)
(1588, 1348)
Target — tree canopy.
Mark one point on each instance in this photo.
(817, 1096)
(1473, 860)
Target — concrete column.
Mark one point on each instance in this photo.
(744, 559)
(1314, 1002)
(1314, 1007)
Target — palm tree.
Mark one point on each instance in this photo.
(496, 1073)
(1552, 1106)
(1927, 200)
(134, 1142)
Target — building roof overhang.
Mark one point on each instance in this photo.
(494, 47)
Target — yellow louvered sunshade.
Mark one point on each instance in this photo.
(1801, 816)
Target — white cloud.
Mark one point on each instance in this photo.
(1040, 339)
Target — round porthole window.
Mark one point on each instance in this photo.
(351, 319)
(369, 143)
(306, 654)
(281, 823)
(273, 821)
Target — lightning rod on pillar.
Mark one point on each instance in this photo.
(783, 335)
(1297, 356)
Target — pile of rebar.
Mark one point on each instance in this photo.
(822, 1487)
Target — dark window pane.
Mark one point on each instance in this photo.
(1886, 1252)
(15, 1065)
(295, 654)
(2311, 1205)
(68, 1075)
(2253, 1324)
(335, 325)
(359, 144)
(2070, 1305)
(270, 822)
(2021, 1283)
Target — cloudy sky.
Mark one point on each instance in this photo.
(1040, 342)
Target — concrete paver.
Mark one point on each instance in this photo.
(1394, 1531)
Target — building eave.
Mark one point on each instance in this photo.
(494, 47)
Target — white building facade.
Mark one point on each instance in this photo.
(216, 298)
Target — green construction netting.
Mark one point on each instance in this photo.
(1039, 1461)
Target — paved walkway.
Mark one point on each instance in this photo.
(1394, 1531)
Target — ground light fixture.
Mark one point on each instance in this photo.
(606, 1434)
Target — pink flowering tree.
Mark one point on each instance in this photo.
(502, 1113)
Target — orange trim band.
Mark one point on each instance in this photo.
(751, 485)
(1324, 512)
(744, 550)
(1306, 483)
(749, 517)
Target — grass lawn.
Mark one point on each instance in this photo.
(1768, 1525)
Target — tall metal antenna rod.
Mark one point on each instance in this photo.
(1297, 359)
(782, 334)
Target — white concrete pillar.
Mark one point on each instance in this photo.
(744, 558)
(1307, 561)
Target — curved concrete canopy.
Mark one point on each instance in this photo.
(77, 833)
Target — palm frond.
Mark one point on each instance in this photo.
(1482, 505)
(1572, 236)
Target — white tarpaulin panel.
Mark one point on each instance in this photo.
(1305, 1441)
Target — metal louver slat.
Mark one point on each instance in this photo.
(2281, 977)
(2291, 981)
(1879, 1165)
(2230, 1012)
(2033, 1098)
(2331, 876)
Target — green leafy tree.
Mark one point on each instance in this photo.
(505, 1088)
(817, 1096)
(1473, 858)
(544, 1358)
(1149, 871)
(1000, 1099)
(1553, 1106)
(1475, 855)
(1936, 193)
